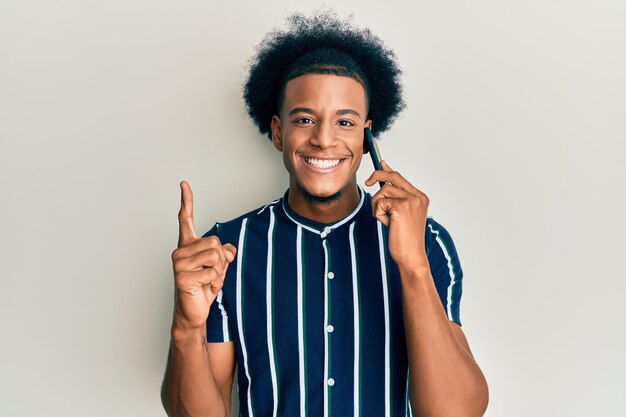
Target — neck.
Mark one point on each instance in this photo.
(327, 209)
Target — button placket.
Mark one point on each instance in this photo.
(329, 328)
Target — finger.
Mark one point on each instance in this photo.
(216, 285)
(382, 177)
(381, 208)
(226, 256)
(203, 243)
(191, 279)
(385, 166)
(230, 252)
(222, 261)
(186, 234)
(394, 178)
(370, 181)
(210, 258)
(389, 190)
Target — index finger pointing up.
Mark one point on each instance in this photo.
(186, 233)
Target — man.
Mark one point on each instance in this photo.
(332, 301)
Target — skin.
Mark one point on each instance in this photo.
(323, 117)
(199, 375)
(444, 378)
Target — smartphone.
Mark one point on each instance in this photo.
(372, 147)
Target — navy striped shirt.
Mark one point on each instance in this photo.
(315, 311)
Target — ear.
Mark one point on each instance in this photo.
(368, 124)
(277, 137)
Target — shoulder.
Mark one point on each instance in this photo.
(228, 230)
(437, 234)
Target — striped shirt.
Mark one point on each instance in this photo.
(315, 311)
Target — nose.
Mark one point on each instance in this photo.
(323, 136)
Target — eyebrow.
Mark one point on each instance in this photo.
(310, 111)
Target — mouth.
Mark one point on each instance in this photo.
(322, 165)
(325, 164)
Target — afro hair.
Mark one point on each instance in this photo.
(323, 44)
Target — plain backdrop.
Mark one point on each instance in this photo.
(514, 128)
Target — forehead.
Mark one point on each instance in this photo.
(322, 91)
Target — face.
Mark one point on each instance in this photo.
(320, 132)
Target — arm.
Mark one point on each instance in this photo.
(444, 379)
(199, 375)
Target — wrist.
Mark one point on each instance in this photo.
(414, 262)
(181, 331)
(414, 272)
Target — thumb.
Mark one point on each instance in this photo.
(229, 251)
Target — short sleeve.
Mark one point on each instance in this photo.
(445, 268)
(218, 328)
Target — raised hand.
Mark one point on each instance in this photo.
(200, 266)
(403, 208)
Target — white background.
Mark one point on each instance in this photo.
(515, 129)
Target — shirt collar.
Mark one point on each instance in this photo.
(320, 228)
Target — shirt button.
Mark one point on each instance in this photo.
(330, 328)
(331, 382)
(331, 275)
(327, 230)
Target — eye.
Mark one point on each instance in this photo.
(304, 120)
(345, 123)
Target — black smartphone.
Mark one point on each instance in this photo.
(372, 147)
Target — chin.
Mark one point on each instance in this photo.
(320, 198)
(321, 189)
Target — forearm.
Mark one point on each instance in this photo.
(189, 388)
(444, 379)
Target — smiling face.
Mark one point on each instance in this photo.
(320, 133)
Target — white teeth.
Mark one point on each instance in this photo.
(323, 163)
